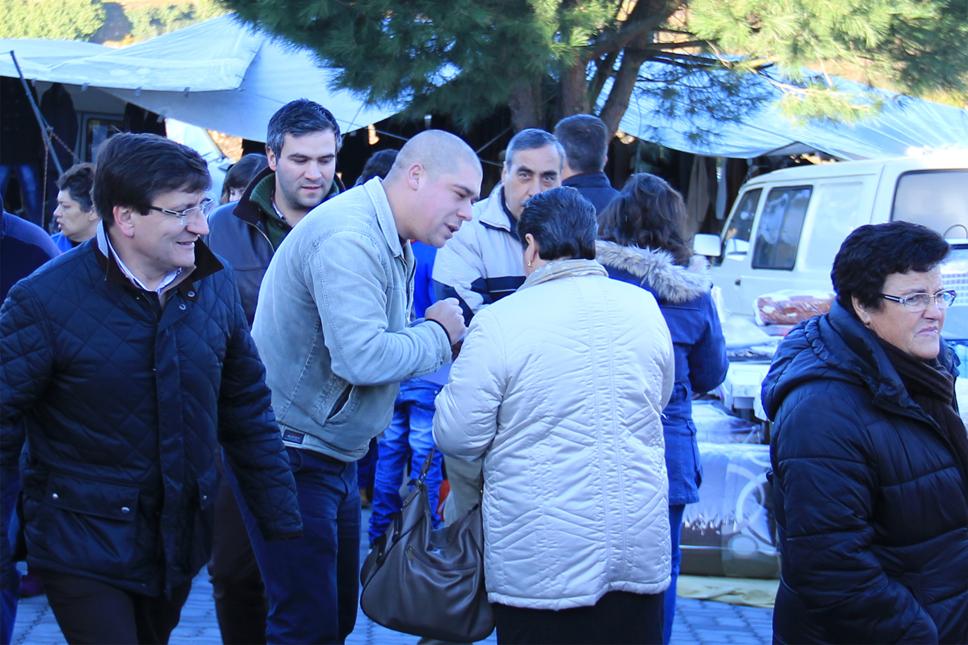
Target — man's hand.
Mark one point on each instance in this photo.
(447, 313)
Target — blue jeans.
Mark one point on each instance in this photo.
(675, 526)
(410, 431)
(312, 582)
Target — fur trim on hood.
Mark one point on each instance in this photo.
(656, 269)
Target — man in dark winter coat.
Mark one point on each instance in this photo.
(302, 141)
(123, 365)
(585, 140)
(301, 144)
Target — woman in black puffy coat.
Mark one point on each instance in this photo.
(870, 456)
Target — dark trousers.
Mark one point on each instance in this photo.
(240, 602)
(312, 582)
(618, 617)
(88, 611)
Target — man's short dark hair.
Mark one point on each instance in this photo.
(77, 181)
(562, 222)
(132, 169)
(531, 139)
(585, 140)
(297, 118)
(875, 251)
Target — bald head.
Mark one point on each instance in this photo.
(433, 183)
(437, 151)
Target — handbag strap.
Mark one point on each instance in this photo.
(426, 466)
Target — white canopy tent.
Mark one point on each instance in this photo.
(218, 74)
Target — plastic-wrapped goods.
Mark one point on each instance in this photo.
(730, 531)
(791, 306)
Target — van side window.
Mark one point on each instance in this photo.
(937, 199)
(736, 239)
(778, 234)
(838, 208)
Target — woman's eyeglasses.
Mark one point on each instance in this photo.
(920, 301)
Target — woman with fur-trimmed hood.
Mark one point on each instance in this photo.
(641, 243)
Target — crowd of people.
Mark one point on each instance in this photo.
(186, 383)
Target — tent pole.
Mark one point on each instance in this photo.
(38, 116)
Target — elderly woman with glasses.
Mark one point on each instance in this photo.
(870, 457)
(560, 388)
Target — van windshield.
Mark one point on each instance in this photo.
(954, 275)
(937, 199)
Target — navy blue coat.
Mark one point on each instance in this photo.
(698, 344)
(121, 402)
(871, 506)
(595, 187)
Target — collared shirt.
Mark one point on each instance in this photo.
(106, 249)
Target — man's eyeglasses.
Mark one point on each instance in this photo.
(920, 301)
(203, 208)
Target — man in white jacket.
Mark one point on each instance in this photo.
(560, 389)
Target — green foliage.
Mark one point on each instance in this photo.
(914, 45)
(62, 19)
(148, 22)
(536, 56)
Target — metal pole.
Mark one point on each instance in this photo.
(38, 116)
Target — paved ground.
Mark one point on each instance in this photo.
(697, 621)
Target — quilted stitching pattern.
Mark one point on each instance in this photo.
(111, 392)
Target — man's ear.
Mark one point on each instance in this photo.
(271, 156)
(124, 220)
(416, 174)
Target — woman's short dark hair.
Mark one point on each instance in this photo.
(562, 222)
(132, 169)
(78, 181)
(647, 213)
(242, 172)
(875, 251)
(378, 165)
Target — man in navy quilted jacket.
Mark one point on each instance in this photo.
(123, 365)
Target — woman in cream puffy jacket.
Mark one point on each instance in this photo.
(560, 389)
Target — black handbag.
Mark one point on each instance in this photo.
(428, 582)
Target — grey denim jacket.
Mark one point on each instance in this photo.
(332, 326)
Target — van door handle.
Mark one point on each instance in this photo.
(738, 281)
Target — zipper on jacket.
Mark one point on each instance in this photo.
(272, 251)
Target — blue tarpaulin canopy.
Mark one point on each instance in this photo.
(660, 113)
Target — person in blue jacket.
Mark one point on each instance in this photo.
(869, 455)
(641, 242)
(24, 247)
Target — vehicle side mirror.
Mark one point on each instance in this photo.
(706, 244)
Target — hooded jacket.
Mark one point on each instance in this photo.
(124, 400)
(700, 350)
(560, 387)
(871, 506)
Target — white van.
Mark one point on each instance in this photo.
(786, 226)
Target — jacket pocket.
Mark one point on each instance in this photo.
(89, 525)
(344, 403)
